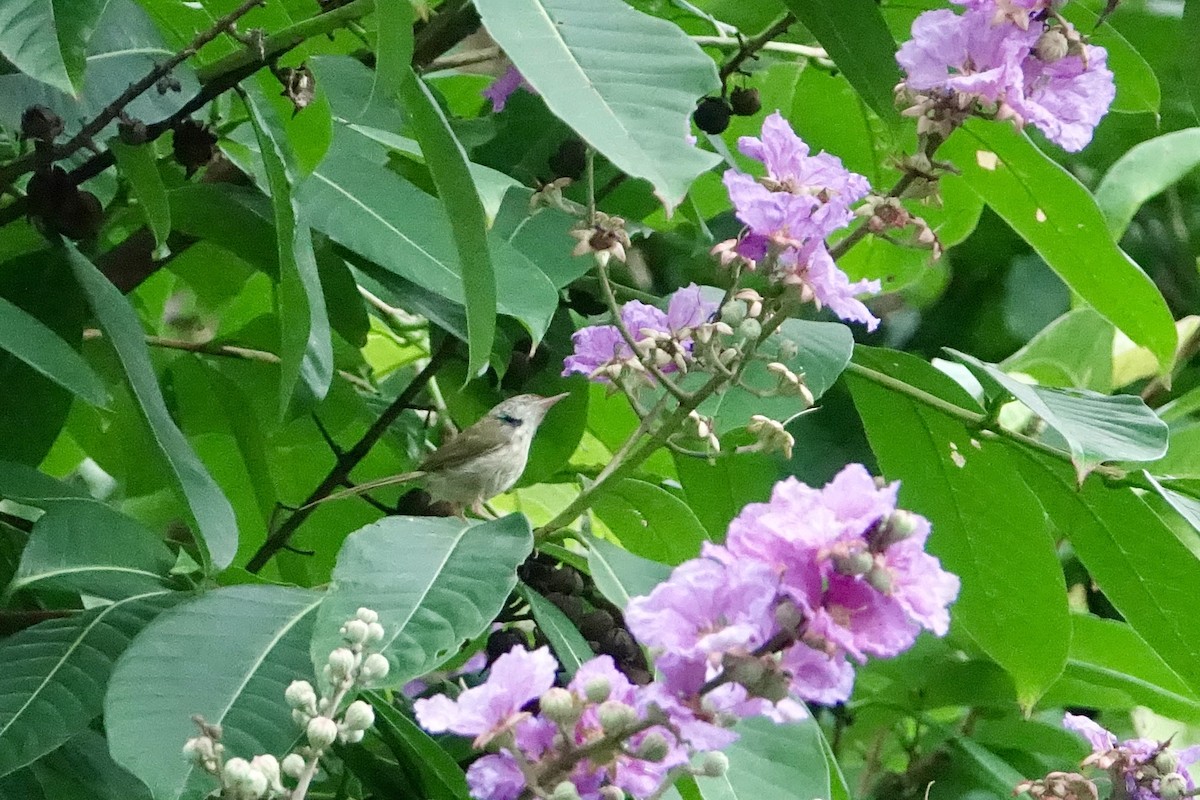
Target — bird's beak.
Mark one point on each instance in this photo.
(547, 402)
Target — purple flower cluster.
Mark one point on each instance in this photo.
(502, 88)
(790, 213)
(600, 710)
(1151, 770)
(1013, 57)
(599, 347)
(818, 575)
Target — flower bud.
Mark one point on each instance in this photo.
(788, 349)
(300, 694)
(292, 765)
(654, 747)
(611, 792)
(733, 312)
(359, 716)
(744, 101)
(712, 764)
(750, 328)
(788, 616)
(321, 732)
(199, 749)
(374, 668)
(1051, 46)
(1173, 786)
(858, 562)
(301, 717)
(351, 737)
(880, 579)
(616, 717)
(558, 705)
(597, 690)
(366, 615)
(1166, 761)
(355, 632)
(374, 632)
(565, 791)
(896, 527)
(341, 663)
(268, 765)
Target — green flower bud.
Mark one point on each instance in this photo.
(1172, 786)
(565, 791)
(366, 615)
(300, 694)
(850, 564)
(268, 765)
(558, 705)
(712, 764)
(750, 328)
(616, 717)
(374, 668)
(321, 732)
(199, 749)
(597, 690)
(733, 312)
(341, 663)
(788, 616)
(880, 579)
(1052, 46)
(898, 526)
(359, 716)
(292, 765)
(1165, 762)
(355, 632)
(653, 748)
(611, 792)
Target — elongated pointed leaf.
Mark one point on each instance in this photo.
(970, 489)
(620, 575)
(53, 675)
(625, 81)
(568, 644)
(41, 348)
(1096, 427)
(1052, 211)
(27, 485)
(306, 358)
(138, 166)
(215, 521)
(650, 521)
(448, 165)
(227, 656)
(438, 776)
(87, 547)
(435, 583)
(47, 39)
(1148, 169)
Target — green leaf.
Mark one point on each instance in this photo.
(772, 760)
(1096, 427)
(392, 223)
(1073, 351)
(1143, 172)
(30, 340)
(227, 656)
(138, 166)
(1133, 557)
(1052, 211)
(81, 769)
(87, 547)
(448, 164)
(620, 575)
(969, 489)
(438, 775)
(306, 356)
(717, 491)
(48, 39)
(53, 675)
(650, 521)
(626, 82)
(540, 235)
(435, 582)
(393, 49)
(1189, 40)
(214, 517)
(568, 644)
(26, 485)
(856, 37)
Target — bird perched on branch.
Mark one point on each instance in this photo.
(479, 463)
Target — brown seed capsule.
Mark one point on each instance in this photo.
(80, 217)
(41, 124)
(194, 146)
(744, 101)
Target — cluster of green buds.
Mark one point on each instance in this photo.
(349, 668)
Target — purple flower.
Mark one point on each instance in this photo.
(495, 777)
(1100, 739)
(965, 54)
(1066, 100)
(1128, 760)
(817, 676)
(502, 88)
(595, 347)
(516, 677)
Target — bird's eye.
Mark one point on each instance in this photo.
(509, 419)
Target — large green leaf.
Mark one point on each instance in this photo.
(1073, 351)
(620, 575)
(30, 340)
(53, 675)
(772, 760)
(1136, 560)
(970, 489)
(87, 547)
(568, 644)
(856, 37)
(392, 223)
(650, 521)
(306, 355)
(1096, 427)
(214, 517)
(626, 82)
(48, 38)
(1052, 211)
(81, 769)
(450, 169)
(1147, 169)
(435, 583)
(26, 484)
(437, 775)
(716, 492)
(138, 166)
(227, 656)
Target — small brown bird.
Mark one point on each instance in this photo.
(481, 462)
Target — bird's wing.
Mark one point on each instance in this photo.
(485, 436)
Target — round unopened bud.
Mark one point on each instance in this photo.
(750, 328)
(565, 791)
(374, 632)
(788, 616)
(355, 632)
(880, 579)
(374, 668)
(359, 716)
(1052, 46)
(1166, 761)
(292, 765)
(597, 690)
(351, 737)
(1173, 786)
(321, 732)
(300, 694)
(611, 792)
(858, 562)
(366, 615)
(616, 716)
(733, 312)
(199, 748)
(712, 764)
(268, 765)
(558, 705)
(654, 747)
(341, 663)
(898, 526)
(246, 780)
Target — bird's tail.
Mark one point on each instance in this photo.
(353, 491)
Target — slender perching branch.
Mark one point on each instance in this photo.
(754, 44)
(730, 43)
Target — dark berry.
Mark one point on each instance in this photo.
(569, 604)
(565, 580)
(620, 645)
(744, 101)
(501, 641)
(712, 115)
(195, 145)
(595, 624)
(570, 159)
(40, 123)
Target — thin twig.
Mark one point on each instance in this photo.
(754, 44)
(350, 459)
(730, 43)
(464, 59)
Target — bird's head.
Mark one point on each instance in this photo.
(524, 410)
